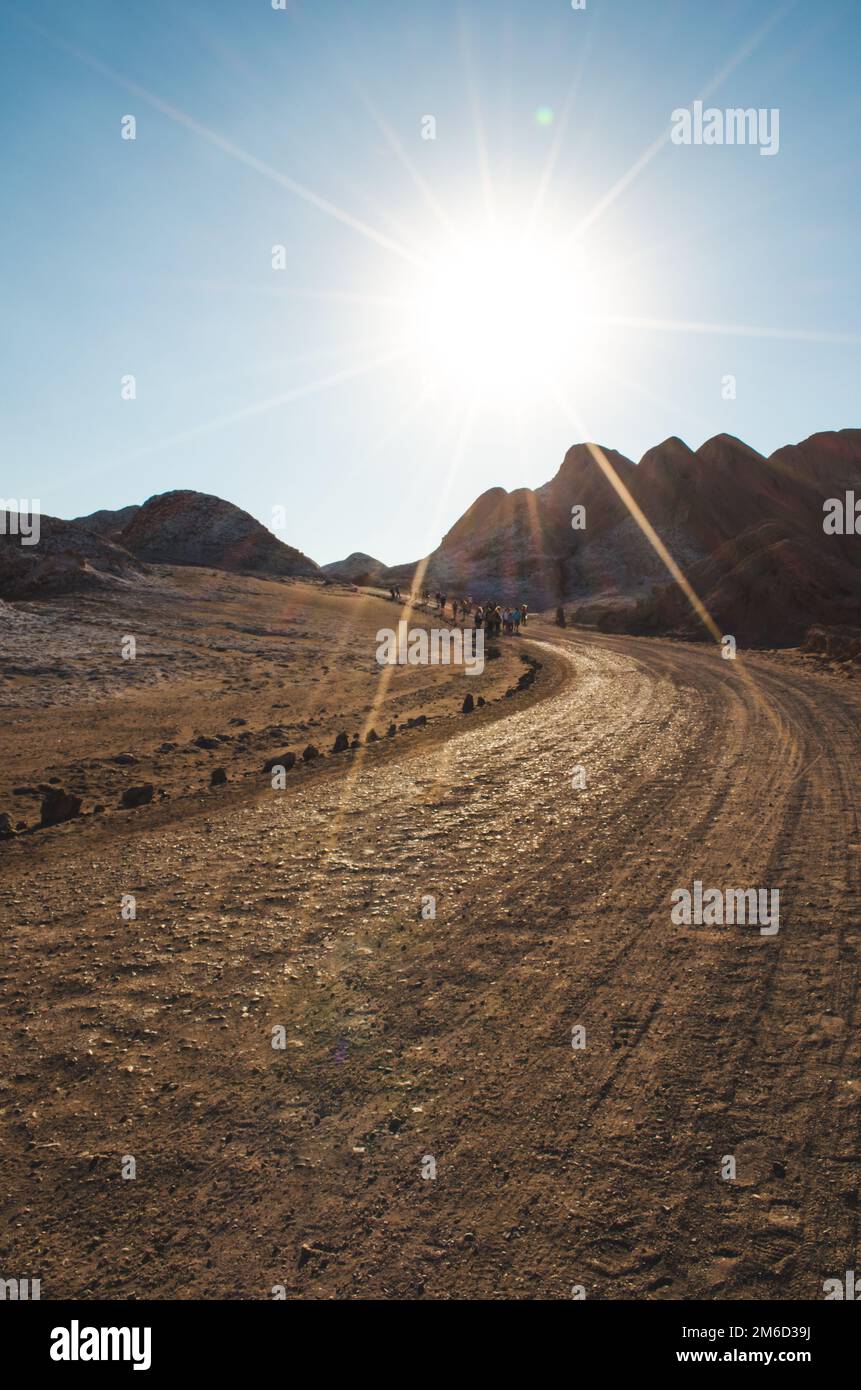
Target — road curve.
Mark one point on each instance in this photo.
(428, 1130)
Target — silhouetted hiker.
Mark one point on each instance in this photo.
(523, 608)
(560, 616)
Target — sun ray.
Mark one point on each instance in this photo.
(560, 130)
(397, 148)
(735, 330)
(180, 117)
(740, 56)
(376, 301)
(405, 614)
(272, 403)
(645, 525)
(477, 121)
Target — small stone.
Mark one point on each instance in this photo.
(137, 796)
(285, 760)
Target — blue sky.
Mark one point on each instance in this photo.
(311, 388)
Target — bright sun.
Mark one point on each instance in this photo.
(498, 314)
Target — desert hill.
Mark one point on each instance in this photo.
(108, 523)
(116, 547)
(746, 529)
(357, 568)
(193, 528)
(67, 557)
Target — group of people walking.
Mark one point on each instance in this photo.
(498, 620)
(495, 620)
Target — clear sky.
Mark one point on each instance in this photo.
(453, 312)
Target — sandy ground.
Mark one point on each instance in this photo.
(411, 1038)
(258, 667)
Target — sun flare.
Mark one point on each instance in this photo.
(501, 312)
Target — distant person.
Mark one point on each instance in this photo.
(516, 616)
(523, 608)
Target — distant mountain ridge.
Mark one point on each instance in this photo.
(194, 528)
(736, 522)
(111, 547)
(358, 568)
(107, 523)
(746, 530)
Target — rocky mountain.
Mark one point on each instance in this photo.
(193, 528)
(107, 523)
(746, 529)
(174, 528)
(358, 568)
(67, 557)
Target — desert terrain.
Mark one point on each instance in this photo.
(427, 1130)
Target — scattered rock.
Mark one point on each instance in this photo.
(58, 806)
(203, 742)
(124, 759)
(310, 753)
(6, 831)
(25, 791)
(468, 705)
(391, 731)
(218, 777)
(341, 744)
(167, 748)
(373, 736)
(137, 796)
(285, 760)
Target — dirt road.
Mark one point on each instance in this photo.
(418, 1045)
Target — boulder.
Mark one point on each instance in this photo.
(137, 796)
(59, 806)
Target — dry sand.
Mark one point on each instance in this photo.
(411, 1038)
